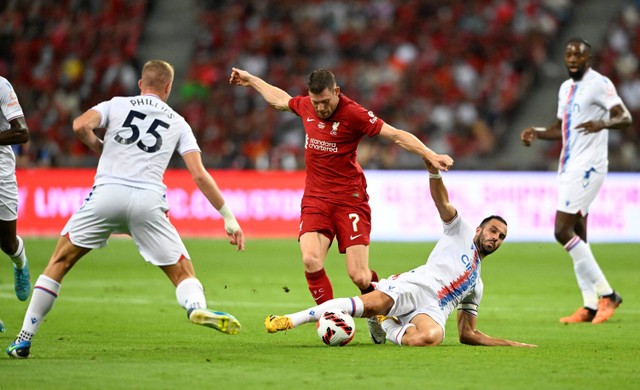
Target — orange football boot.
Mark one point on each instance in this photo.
(581, 315)
(606, 306)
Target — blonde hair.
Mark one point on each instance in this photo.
(156, 75)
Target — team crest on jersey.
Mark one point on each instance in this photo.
(334, 128)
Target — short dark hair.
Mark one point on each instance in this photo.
(489, 218)
(580, 41)
(321, 79)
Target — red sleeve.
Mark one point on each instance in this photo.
(294, 104)
(365, 120)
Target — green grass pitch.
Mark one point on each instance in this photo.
(116, 324)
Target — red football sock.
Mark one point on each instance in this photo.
(374, 278)
(319, 286)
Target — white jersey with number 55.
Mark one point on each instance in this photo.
(142, 133)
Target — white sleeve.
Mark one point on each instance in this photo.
(453, 226)
(187, 142)
(9, 102)
(103, 108)
(608, 96)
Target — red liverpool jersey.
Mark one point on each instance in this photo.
(331, 147)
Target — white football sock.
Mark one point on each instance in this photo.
(602, 286)
(353, 306)
(394, 330)
(45, 292)
(590, 277)
(20, 257)
(190, 294)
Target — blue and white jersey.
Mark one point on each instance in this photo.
(142, 133)
(452, 272)
(9, 110)
(581, 101)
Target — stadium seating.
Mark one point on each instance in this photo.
(450, 72)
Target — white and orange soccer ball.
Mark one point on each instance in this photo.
(336, 327)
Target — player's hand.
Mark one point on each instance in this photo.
(590, 127)
(440, 162)
(430, 167)
(239, 77)
(527, 136)
(237, 238)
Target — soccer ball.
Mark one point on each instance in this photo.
(336, 327)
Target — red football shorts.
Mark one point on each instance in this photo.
(350, 224)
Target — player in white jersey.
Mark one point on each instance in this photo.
(128, 196)
(588, 107)
(413, 306)
(13, 130)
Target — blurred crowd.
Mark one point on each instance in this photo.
(619, 58)
(451, 72)
(63, 57)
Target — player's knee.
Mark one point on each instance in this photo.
(423, 338)
(361, 279)
(312, 261)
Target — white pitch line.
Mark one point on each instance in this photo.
(213, 302)
(159, 300)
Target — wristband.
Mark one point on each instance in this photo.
(435, 175)
(230, 223)
(539, 129)
(226, 212)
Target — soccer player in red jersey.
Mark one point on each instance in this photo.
(335, 202)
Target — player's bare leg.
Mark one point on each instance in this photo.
(361, 275)
(314, 247)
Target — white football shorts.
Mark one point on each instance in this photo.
(8, 199)
(411, 296)
(140, 213)
(577, 190)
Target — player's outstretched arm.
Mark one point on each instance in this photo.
(468, 334)
(411, 143)
(553, 132)
(439, 194)
(83, 129)
(275, 96)
(210, 189)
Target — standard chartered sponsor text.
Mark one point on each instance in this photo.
(322, 145)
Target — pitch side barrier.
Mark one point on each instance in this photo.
(267, 204)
